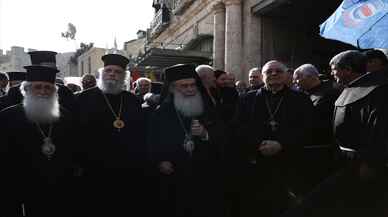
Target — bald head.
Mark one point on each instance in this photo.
(307, 69)
(306, 77)
(274, 75)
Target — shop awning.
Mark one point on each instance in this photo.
(167, 57)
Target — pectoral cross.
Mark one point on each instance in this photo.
(274, 125)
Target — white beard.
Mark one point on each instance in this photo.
(110, 86)
(189, 106)
(42, 110)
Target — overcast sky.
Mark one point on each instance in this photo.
(38, 24)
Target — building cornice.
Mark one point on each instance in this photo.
(232, 2)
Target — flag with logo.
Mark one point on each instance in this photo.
(362, 23)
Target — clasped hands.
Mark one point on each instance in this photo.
(197, 129)
(269, 147)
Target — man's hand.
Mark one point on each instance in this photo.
(166, 167)
(197, 129)
(269, 147)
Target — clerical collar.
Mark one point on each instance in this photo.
(315, 89)
(279, 93)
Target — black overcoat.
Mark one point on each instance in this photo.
(45, 186)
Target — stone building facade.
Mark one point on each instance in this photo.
(135, 47)
(90, 61)
(16, 58)
(241, 34)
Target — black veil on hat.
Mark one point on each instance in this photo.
(41, 73)
(43, 58)
(174, 73)
(115, 59)
(16, 76)
(178, 72)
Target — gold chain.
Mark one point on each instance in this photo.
(110, 106)
(272, 114)
(41, 131)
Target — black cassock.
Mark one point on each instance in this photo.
(44, 185)
(114, 160)
(360, 124)
(269, 182)
(322, 155)
(194, 189)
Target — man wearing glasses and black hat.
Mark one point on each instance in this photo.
(37, 150)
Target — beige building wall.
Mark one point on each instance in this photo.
(248, 33)
(196, 20)
(233, 50)
(90, 61)
(135, 48)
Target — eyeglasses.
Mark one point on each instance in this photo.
(274, 70)
(46, 87)
(116, 71)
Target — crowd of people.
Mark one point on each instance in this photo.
(198, 144)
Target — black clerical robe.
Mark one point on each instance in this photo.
(322, 153)
(195, 187)
(269, 180)
(44, 185)
(114, 159)
(360, 129)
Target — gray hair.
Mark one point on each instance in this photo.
(204, 70)
(307, 69)
(254, 70)
(351, 59)
(282, 66)
(142, 79)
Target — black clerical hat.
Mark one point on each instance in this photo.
(16, 76)
(43, 58)
(115, 59)
(41, 73)
(178, 72)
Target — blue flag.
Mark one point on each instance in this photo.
(362, 23)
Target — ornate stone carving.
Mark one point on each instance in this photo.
(218, 7)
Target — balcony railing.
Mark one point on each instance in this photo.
(160, 21)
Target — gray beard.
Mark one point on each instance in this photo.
(110, 86)
(188, 106)
(41, 110)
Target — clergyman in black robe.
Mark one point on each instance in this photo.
(37, 151)
(360, 128)
(185, 148)
(275, 124)
(112, 130)
(322, 154)
(40, 58)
